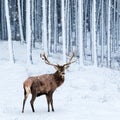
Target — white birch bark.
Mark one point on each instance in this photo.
(28, 33)
(118, 3)
(49, 26)
(44, 27)
(85, 25)
(32, 24)
(63, 30)
(114, 33)
(102, 32)
(20, 21)
(94, 40)
(76, 27)
(80, 30)
(108, 37)
(10, 45)
(3, 25)
(67, 26)
(118, 21)
(55, 26)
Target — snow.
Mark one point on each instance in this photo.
(88, 93)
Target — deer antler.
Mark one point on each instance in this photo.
(70, 60)
(44, 57)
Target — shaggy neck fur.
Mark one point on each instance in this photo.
(59, 78)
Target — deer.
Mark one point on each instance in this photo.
(45, 84)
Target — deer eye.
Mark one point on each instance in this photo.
(63, 73)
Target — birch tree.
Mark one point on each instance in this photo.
(76, 28)
(20, 21)
(44, 27)
(94, 40)
(28, 33)
(118, 21)
(80, 30)
(67, 25)
(102, 32)
(63, 29)
(114, 27)
(10, 44)
(55, 26)
(3, 21)
(108, 37)
(118, 13)
(49, 26)
(32, 24)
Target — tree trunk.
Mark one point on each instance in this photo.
(55, 26)
(20, 21)
(49, 27)
(80, 30)
(10, 44)
(3, 21)
(28, 33)
(102, 31)
(44, 27)
(94, 40)
(63, 29)
(32, 23)
(108, 37)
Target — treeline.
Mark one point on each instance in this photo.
(91, 28)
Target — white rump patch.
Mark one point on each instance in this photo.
(28, 91)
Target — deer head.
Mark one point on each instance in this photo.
(60, 68)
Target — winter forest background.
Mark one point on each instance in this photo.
(90, 28)
(59, 28)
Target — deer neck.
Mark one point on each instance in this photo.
(58, 78)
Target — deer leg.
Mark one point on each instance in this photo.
(32, 102)
(25, 98)
(48, 102)
(51, 101)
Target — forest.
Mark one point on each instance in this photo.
(81, 36)
(90, 28)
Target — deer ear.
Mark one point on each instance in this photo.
(56, 67)
(66, 67)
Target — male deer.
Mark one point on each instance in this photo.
(45, 84)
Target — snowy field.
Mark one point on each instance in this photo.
(88, 93)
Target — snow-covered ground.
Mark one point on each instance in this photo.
(88, 93)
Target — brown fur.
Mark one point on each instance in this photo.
(45, 84)
(42, 85)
